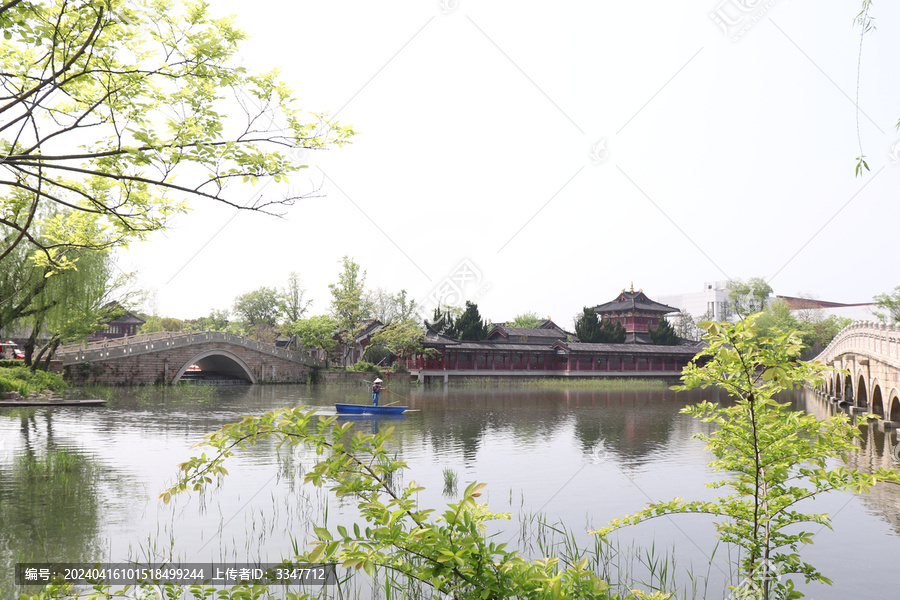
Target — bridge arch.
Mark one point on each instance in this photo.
(894, 414)
(221, 361)
(848, 388)
(862, 396)
(877, 402)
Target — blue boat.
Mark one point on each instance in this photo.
(368, 409)
(379, 417)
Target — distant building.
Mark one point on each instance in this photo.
(712, 303)
(126, 325)
(351, 350)
(549, 351)
(637, 313)
(547, 332)
(709, 303)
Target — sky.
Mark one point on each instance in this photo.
(538, 157)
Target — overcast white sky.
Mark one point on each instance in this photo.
(562, 151)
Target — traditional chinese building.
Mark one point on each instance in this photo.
(548, 351)
(125, 325)
(637, 313)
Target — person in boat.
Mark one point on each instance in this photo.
(376, 389)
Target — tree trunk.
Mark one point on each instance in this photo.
(53, 347)
(54, 343)
(29, 345)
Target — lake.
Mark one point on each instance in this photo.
(81, 484)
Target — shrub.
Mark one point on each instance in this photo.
(365, 366)
(22, 380)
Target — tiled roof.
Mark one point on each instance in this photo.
(634, 301)
(502, 347)
(128, 319)
(529, 332)
(631, 348)
(807, 303)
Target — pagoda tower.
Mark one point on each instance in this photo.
(637, 313)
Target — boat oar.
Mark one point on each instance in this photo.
(395, 401)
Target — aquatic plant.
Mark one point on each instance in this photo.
(451, 479)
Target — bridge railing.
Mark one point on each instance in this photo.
(154, 342)
(866, 337)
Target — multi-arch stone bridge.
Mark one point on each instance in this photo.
(870, 355)
(166, 357)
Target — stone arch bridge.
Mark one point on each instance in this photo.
(869, 353)
(166, 357)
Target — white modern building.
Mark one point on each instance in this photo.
(710, 302)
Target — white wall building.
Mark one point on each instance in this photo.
(708, 302)
(712, 300)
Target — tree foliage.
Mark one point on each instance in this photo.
(686, 326)
(664, 334)
(469, 325)
(388, 307)
(70, 305)
(315, 332)
(776, 458)
(590, 328)
(587, 326)
(292, 301)
(217, 320)
(611, 332)
(401, 338)
(888, 306)
(113, 113)
(744, 299)
(815, 330)
(258, 307)
(527, 320)
(442, 320)
(350, 304)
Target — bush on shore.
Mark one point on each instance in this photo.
(22, 380)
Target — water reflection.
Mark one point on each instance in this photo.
(633, 424)
(876, 451)
(82, 484)
(50, 497)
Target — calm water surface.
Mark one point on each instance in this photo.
(81, 485)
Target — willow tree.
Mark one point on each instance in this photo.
(73, 304)
(116, 114)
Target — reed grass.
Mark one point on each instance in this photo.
(624, 567)
(451, 480)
